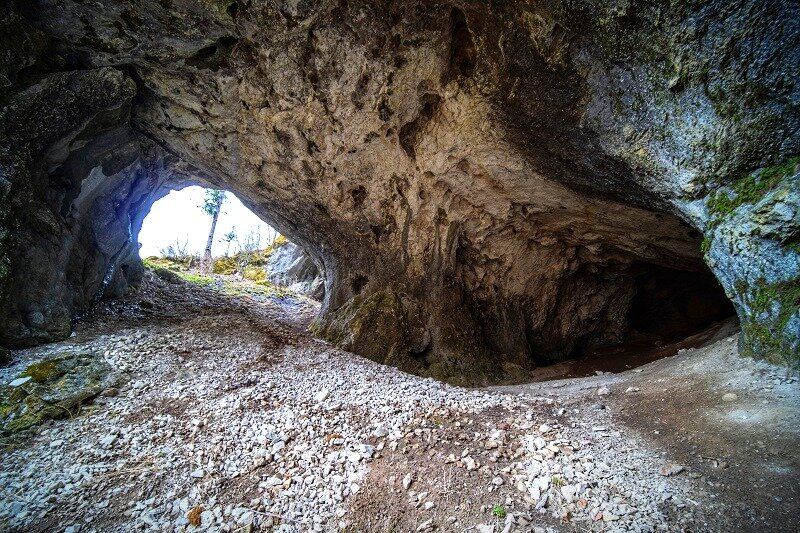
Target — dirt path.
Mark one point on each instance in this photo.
(232, 418)
(734, 423)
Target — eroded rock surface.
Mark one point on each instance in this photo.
(290, 266)
(53, 388)
(486, 186)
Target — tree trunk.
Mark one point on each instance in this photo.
(210, 241)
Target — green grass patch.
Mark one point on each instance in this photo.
(260, 288)
(197, 279)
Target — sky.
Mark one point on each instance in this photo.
(178, 220)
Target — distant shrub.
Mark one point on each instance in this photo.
(225, 265)
(254, 273)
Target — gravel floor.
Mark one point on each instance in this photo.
(230, 418)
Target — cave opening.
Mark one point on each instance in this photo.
(667, 309)
(671, 304)
(209, 234)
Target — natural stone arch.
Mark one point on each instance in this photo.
(461, 171)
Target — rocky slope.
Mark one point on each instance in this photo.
(228, 417)
(487, 185)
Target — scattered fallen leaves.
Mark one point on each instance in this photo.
(582, 503)
(332, 436)
(194, 515)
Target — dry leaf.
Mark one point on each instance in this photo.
(332, 436)
(194, 515)
(582, 503)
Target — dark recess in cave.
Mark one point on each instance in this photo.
(670, 310)
(462, 49)
(671, 304)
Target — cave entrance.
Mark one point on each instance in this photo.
(671, 304)
(670, 310)
(244, 249)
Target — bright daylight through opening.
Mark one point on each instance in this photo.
(208, 237)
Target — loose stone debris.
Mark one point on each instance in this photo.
(229, 417)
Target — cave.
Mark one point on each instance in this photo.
(177, 230)
(485, 189)
(552, 249)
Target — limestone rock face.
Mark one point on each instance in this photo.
(291, 266)
(485, 185)
(759, 219)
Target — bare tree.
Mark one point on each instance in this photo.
(252, 242)
(177, 250)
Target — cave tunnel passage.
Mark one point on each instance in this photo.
(176, 230)
(670, 310)
(672, 304)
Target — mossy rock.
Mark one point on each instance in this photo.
(749, 189)
(42, 371)
(56, 389)
(254, 273)
(172, 263)
(389, 328)
(167, 275)
(378, 326)
(772, 331)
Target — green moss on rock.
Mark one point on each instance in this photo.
(225, 266)
(766, 333)
(57, 389)
(42, 371)
(254, 273)
(747, 190)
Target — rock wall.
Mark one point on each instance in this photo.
(482, 182)
(290, 266)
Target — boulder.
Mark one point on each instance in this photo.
(53, 388)
(289, 265)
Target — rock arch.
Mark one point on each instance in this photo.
(481, 183)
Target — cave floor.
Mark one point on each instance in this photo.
(230, 417)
